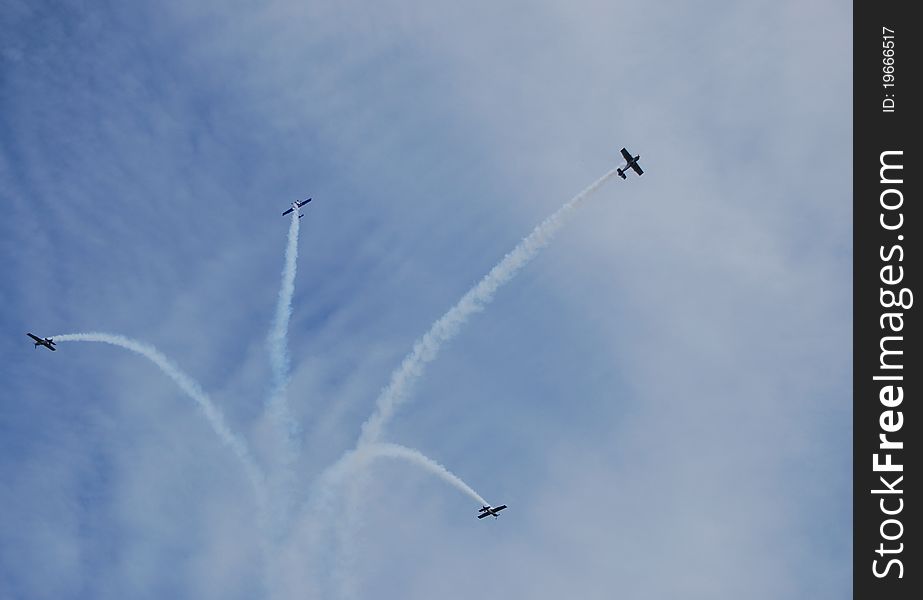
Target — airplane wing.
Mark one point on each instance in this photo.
(303, 203)
(626, 154)
(499, 508)
(34, 338)
(482, 515)
(52, 348)
(637, 169)
(288, 211)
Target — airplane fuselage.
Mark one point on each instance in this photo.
(631, 162)
(490, 510)
(296, 208)
(47, 342)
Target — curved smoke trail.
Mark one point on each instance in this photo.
(417, 458)
(349, 524)
(354, 459)
(426, 348)
(192, 389)
(312, 552)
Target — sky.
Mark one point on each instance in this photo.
(661, 395)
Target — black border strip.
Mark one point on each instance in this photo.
(886, 228)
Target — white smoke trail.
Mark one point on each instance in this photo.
(311, 558)
(426, 348)
(278, 333)
(378, 450)
(447, 326)
(212, 414)
(329, 496)
(417, 458)
(282, 480)
(354, 460)
(349, 524)
(192, 389)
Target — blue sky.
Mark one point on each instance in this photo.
(662, 396)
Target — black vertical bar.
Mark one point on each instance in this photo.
(886, 371)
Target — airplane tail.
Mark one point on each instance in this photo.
(622, 174)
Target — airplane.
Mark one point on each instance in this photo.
(47, 342)
(632, 162)
(295, 206)
(489, 510)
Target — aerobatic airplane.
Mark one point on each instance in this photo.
(488, 511)
(295, 206)
(632, 163)
(47, 342)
